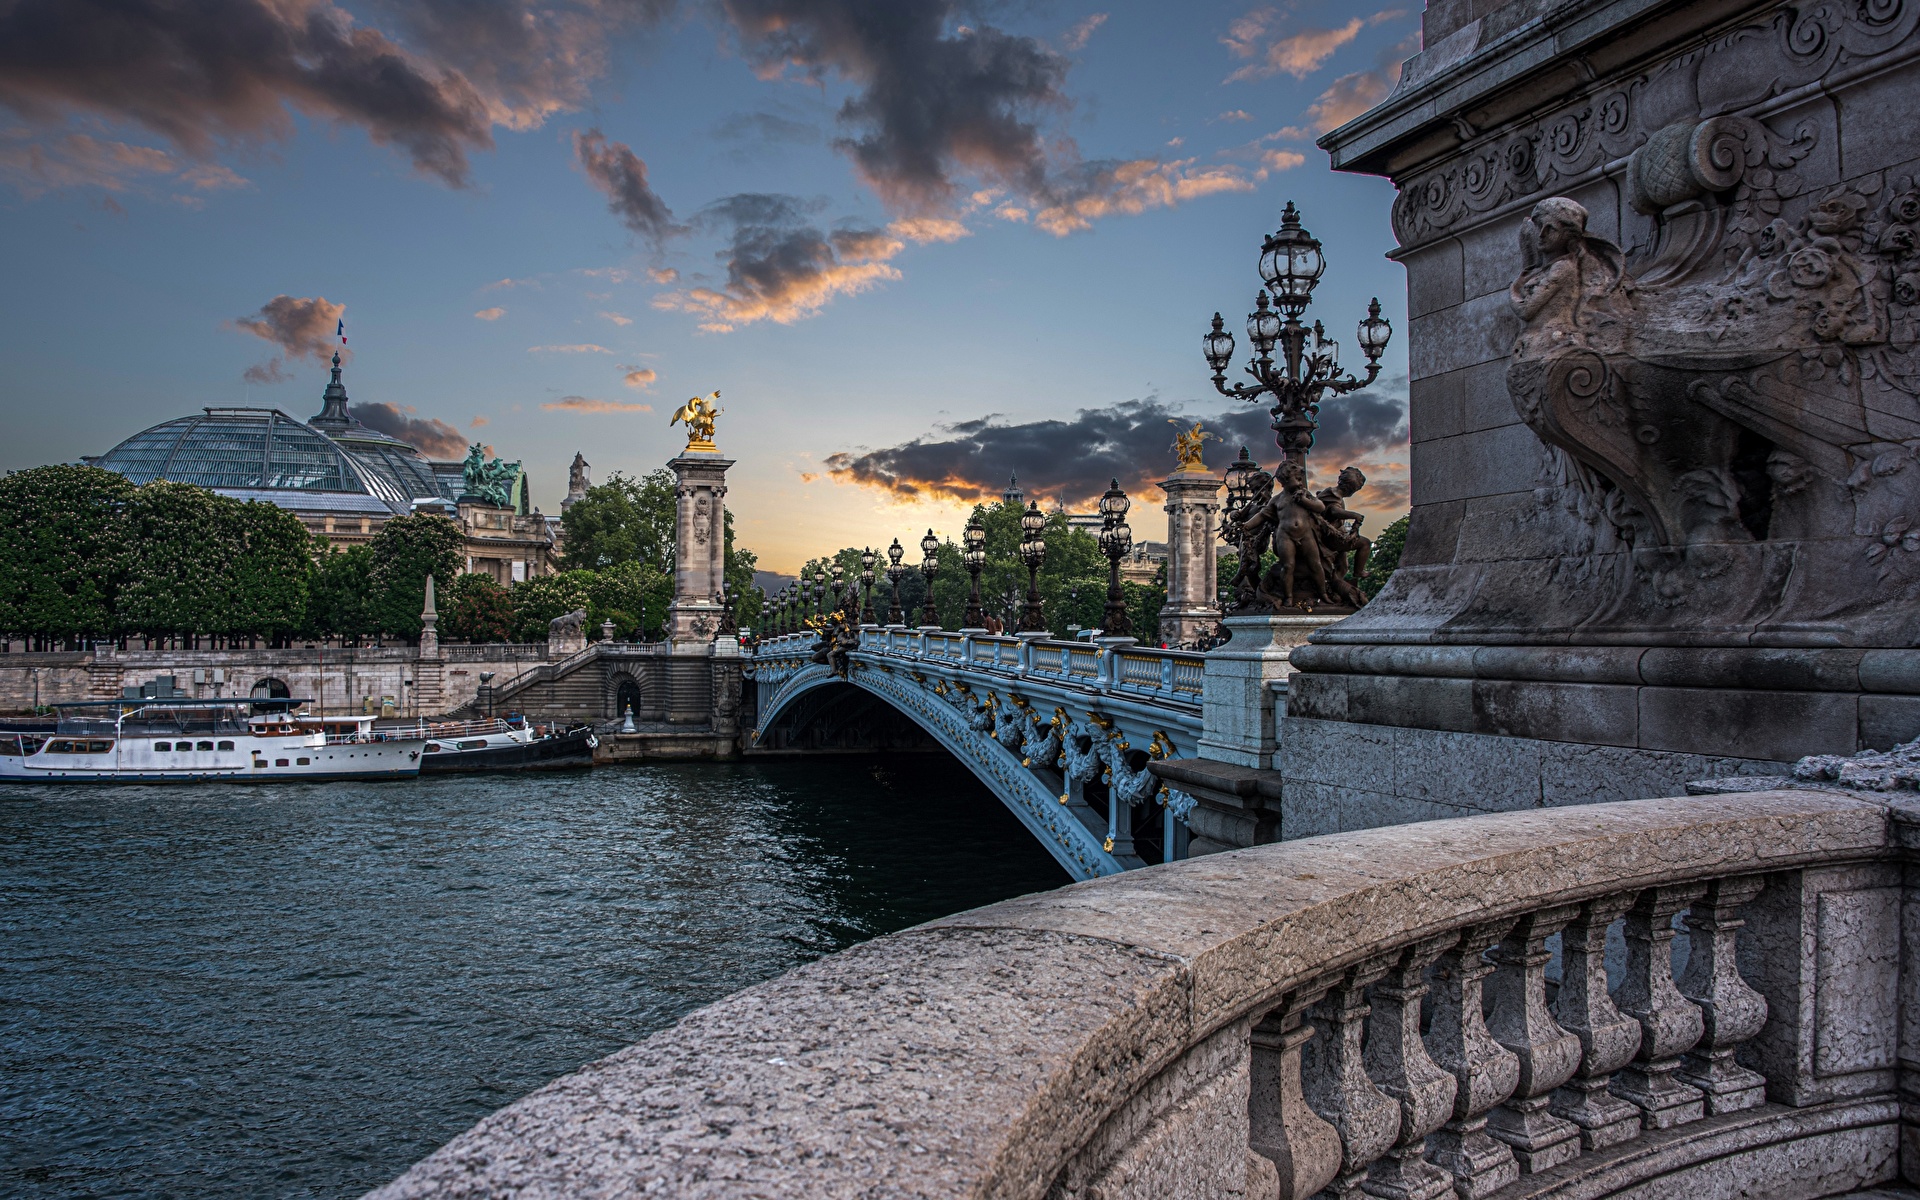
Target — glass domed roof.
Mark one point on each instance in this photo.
(257, 448)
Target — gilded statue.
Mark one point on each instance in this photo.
(1187, 446)
(699, 414)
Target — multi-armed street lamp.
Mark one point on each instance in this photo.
(975, 556)
(867, 557)
(838, 584)
(1116, 540)
(820, 591)
(895, 572)
(1033, 552)
(929, 567)
(1291, 264)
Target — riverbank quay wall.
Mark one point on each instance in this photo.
(1721, 575)
(1248, 1024)
(346, 680)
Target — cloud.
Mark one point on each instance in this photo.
(232, 72)
(477, 422)
(1104, 188)
(1278, 160)
(575, 348)
(928, 229)
(1235, 114)
(586, 404)
(1298, 54)
(77, 160)
(617, 170)
(780, 266)
(663, 275)
(1350, 96)
(298, 326)
(430, 435)
(768, 128)
(638, 377)
(1082, 32)
(491, 314)
(617, 318)
(933, 97)
(1072, 460)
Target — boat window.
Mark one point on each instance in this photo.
(279, 762)
(477, 744)
(204, 746)
(302, 761)
(31, 745)
(62, 746)
(99, 747)
(162, 747)
(226, 745)
(432, 748)
(10, 746)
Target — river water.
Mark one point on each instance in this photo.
(297, 990)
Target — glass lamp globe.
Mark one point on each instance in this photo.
(866, 559)
(896, 552)
(1375, 332)
(1032, 522)
(1263, 326)
(1291, 263)
(1113, 504)
(929, 546)
(1218, 346)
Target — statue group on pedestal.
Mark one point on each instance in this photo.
(1319, 551)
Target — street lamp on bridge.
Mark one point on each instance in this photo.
(895, 572)
(867, 557)
(1116, 540)
(839, 584)
(1291, 263)
(1033, 552)
(975, 556)
(929, 567)
(820, 591)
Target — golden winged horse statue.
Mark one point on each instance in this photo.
(698, 413)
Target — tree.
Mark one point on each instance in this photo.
(476, 609)
(622, 520)
(269, 577)
(405, 551)
(1385, 559)
(633, 595)
(748, 600)
(539, 600)
(62, 550)
(181, 541)
(340, 593)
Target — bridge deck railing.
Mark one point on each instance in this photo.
(1251, 1024)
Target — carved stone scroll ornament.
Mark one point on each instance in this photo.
(1756, 382)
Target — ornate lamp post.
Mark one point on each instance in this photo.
(867, 557)
(929, 567)
(839, 584)
(1291, 264)
(895, 572)
(975, 556)
(1116, 539)
(820, 591)
(1033, 552)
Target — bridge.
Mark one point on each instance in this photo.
(1061, 732)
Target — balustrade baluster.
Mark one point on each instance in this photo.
(1548, 1054)
(1608, 1038)
(1487, 1071)
(1334, 1077)
(1303, 1148)
(1730, 1010)
(1670, 1024)
(1397, 1063)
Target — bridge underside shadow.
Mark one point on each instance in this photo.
(841, 717)
(883, 710)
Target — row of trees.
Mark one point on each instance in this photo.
(1072, 584)
(85, 554)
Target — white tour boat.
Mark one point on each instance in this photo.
(195, 741)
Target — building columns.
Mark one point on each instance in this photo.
(1193, 506)
(700, 557)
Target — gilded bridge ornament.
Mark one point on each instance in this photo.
(699, 414)
(1188, 445)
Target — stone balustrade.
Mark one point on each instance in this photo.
(1251, 1024)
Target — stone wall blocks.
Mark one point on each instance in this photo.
(1433, 532)
(1433, 278)
(1439, 704)
(1581, 664)
(1752, 667)
(1595, 714)
(1480, 330)
(1782, 726)
(1888, 721)
(1486, 462)
(1891, 671)
(1463, 770)
(1336, 753)
(1323, 697)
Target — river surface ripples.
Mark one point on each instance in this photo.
(297, 990)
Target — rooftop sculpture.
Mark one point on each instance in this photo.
(699, 414)
(487, 480)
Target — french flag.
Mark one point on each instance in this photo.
(340, 330)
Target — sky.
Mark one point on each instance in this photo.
(916, 245)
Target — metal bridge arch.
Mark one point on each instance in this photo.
(1098, 712)
(1026, 795)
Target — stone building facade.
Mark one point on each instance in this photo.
(1666, 425)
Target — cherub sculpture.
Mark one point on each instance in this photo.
(699, 414)
(1573, 289)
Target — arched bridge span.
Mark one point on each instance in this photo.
(1061, 732)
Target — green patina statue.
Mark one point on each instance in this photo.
(488, 480)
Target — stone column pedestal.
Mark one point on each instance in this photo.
(1240, 726)
(1193, 507)
(700, 550)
